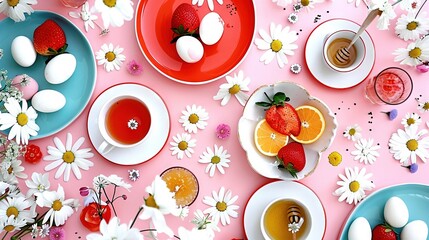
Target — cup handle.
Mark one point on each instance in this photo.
(105, 147)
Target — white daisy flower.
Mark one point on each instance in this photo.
(16, 9)
(60, 209)
(86, 15)
(282, 3)
(309, 4)
(209, 3)
(115, 230)
(221, 206)
(38, 184)
(411, 119)
(34, 231)
(159, 203)
(12, 224)
(365, 151)
(423, 106)
(278, 43)
(118, 181)
(18, 207)
(194, 118)
(21, 120)
(12, 170)
(387, 13)
(215, 159)
(415, 53)
(100, 182)
(114, 12)
(353, 185)
(182, 145)
(409, 27)
(111, 58)
(353, 132)
(236, 86)
(44, 230)
(68, 157)
(407, 145)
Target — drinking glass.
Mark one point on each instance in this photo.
(73, 3)
(391, 86)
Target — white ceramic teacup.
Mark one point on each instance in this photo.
(109, 142)
(276, 209)
(359, 45)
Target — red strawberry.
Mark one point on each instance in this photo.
(49, 38)
(280, 115)
(292, 158)
(185, 21)
(383, 232)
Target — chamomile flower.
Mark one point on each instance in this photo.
(18, 207)
(194, 118)
(410, 27)
(309, 4)
(38, 184)
(235, 86)
(86, 15)
(278, 44)
(34, 231)
(282, 3)
(210, 3)
(411, 119)
(216, 158)
(114, 12)
(21, 120)
(115, 230)
(423, 106)
(221, 206)
(16, 9)
(365, 151)
(387, 13)
(110, 57)
(353, 185)
(12, 224)
(44, 230)
(183, 145)
(68, 157)
(415, 53)
(406, 145)
(12, 170)
(353, 132)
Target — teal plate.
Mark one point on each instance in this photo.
(77, 90)
(415, 196)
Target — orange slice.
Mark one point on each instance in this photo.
(183, 183)
(312, 124)
(267, 140)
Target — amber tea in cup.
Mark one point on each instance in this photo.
(336, 59)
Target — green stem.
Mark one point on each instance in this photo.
(135, 218)
(110, 202)
(154, 230)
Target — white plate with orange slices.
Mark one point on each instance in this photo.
(261, 143)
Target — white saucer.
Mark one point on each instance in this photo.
(287, 189)
(319, 68)
(158, 132)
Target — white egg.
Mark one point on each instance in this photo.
(60, 68)
(211, 28)
(396, 212)
(189, 49)
(360, 230)
(23, 52)
(415, 230)
(48, 101)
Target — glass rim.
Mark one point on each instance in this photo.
(399, 69)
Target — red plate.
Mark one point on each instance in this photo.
(153, 22)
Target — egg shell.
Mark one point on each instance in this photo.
(189, 49)
(23, 52)
(415, 230)
(396, 212)
(60, 68)
(211, 28)
(48, 101)
(28, 90)
(360, 230)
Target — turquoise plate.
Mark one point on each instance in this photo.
(77, 90)
(415, 196)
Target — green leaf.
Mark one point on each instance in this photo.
(279, 97)
(263, 104)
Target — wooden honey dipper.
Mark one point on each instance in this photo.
(295, 220)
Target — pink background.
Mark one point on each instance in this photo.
(349, 105)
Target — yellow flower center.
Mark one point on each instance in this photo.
(10, 170)
(221, 206)
(412, 144)
(415, 52)
(68, 157)
(150, 202)
(215, 160)
(352, 132)
(412, 25)
(110, 56)
(426, 106)
(12, 211)
(234, 89)
(22, 119)
(183, 145)
(335, 158)
(57, 205)
(193, 118)
(354, 186)
(9, 228)
(305, 2)
(12, 3)
(276, 45)
(109, 3)
(410, 121)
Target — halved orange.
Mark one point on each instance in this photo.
(183, 183)
(267, 140)
(312, 124)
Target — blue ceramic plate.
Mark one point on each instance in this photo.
(77, 90)
(415, 196)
